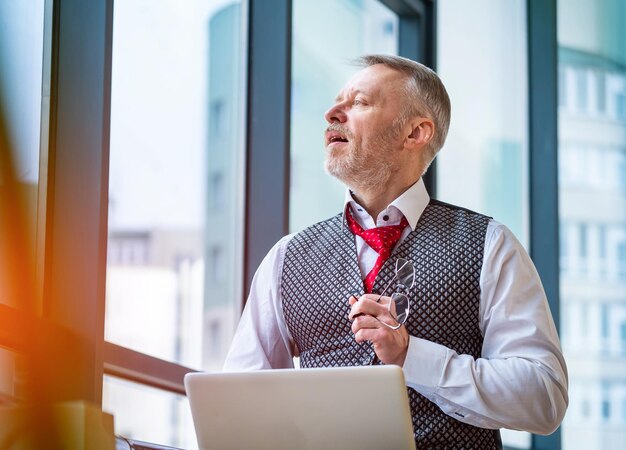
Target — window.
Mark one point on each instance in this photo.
(483, 165)
(581, 90)
(616, 96)
(605, 407)
(621, 260)
(620, 106)
(148, 414)
(586, 409)
(24, 112)
(582, 240)
(600, 222)
(217, 118)
(175, 189)
(320, 67)
(25, 96)
(217, 191)
(602, 251)
(600, 91)
(562, 92)
(620, 169)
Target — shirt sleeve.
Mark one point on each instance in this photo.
(520, 382)
(262, 340)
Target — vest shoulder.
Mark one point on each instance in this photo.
(451, 207)
(323, 225)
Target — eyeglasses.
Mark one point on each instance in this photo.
(400, 284)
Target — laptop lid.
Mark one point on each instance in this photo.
(327, 408)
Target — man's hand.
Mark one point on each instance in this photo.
(367, 314)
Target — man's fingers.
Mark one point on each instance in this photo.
(366, 335)
(367, 305)
(364, 322)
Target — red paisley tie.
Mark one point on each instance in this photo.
(380, 239)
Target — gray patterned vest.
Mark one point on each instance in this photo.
(320, 272)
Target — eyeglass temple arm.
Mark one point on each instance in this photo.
(388, 285)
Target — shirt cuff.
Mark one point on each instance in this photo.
(424, 364)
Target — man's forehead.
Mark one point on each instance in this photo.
(371, 81)
(352, 92)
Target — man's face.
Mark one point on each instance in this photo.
(364, 138)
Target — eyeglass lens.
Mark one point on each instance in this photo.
(405, 277)
(399, 307)
(405, 273)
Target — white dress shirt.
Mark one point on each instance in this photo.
(519, 382)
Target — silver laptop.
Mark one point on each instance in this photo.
(335, 408)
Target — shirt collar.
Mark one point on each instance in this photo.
(411, 203)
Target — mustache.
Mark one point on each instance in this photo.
(339, 129)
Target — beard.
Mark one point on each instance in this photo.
(367, 166)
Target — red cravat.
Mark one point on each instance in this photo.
(380, 239)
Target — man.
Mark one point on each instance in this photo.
(479, 349)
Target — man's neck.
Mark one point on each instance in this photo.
(375, 202)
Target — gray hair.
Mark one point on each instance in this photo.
(426, 94)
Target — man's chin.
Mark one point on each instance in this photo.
(340, 173)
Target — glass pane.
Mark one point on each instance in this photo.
(25, 97)
(483, 165)
(592, 210)
(320, 68)
(149, 414)
(175, 179)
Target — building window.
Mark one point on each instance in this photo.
(215, 337)
(217, 118)
(621, 259)
(585, 408)
(620, 169)
(604, 322)
(606, 410)
(600, 91)
(218, 270)
(582, 240)
(217, 191)
(620, 106)
(581, 90)
(562, 88)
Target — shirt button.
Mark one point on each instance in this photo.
(385, 217)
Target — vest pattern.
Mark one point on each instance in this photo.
(320, 272)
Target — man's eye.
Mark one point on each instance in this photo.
(358, 101)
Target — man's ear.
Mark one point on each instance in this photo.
(422, 132)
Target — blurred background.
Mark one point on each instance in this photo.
(161, 148)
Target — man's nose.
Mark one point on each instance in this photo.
(335, 114)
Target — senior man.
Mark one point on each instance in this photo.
(463, 311)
